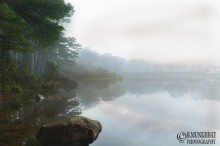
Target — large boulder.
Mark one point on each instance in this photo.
(77, 131)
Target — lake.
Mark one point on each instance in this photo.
(154, 112)
(132, 112)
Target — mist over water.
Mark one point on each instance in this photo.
(152, 103)
(133, 111)
(152, 111)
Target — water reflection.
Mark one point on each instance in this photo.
(152, 112)
(20, 120)
(132, 112)
(153, 119)
(201, 89)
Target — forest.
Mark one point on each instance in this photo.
(32, 35)
(34, 49)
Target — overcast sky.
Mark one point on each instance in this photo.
(156, 30)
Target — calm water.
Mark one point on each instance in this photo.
(154, 112)
(133, 113)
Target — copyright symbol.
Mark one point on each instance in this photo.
(181, 136)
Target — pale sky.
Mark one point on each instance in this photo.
(153, 30)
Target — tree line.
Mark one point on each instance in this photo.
(141, 68)
(33, 44)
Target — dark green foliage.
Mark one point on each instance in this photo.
(11, 78)
(67, 84)
(29, 31)
(67, 49)
(17, 81)
(54, 81)
(65, 52)
(101, 74)
(13, 29)
(51, 71)
(44, 17)
(34, 83)
(36, 24)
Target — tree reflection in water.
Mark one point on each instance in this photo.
(20, 121)
(90, 94)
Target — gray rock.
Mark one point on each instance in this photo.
(39, 98)
(77, 131)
